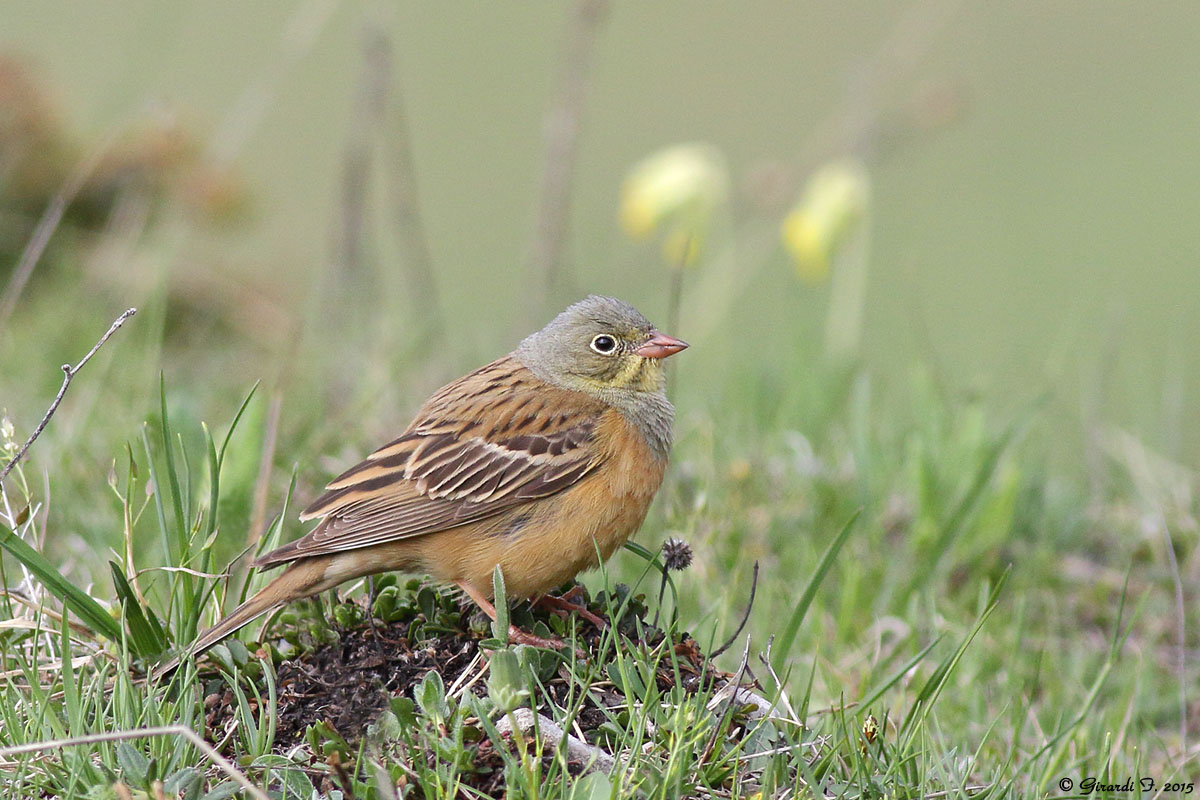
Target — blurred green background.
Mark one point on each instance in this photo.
(1041, 235)
(1020, 396)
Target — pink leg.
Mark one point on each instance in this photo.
(515, 634)
(565, 606)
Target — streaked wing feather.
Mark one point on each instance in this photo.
(496, 438)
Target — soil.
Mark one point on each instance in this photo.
(348, 684)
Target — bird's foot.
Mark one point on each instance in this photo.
(518, 636)
(375, 637)
(574, 593)
(515, 634)
(564, 606)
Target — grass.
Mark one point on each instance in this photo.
(938, 616)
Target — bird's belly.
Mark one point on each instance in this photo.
(547, 542)
(582, 532)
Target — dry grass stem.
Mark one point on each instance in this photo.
(193, 738)
(561, 140)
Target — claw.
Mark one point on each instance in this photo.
(563, 605)
(518, 636)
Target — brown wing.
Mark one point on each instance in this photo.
(495, 438)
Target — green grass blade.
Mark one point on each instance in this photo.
(214, 481)
(71, 703)
(956, 522)
(91, 613)
(178, 553)
(979, 481)
(160, 508)
(652, 558)
(236, 419)
(937, 681)
(896, 676)
(214, 484)
(788, 637)
(145, 632)
(500, 599)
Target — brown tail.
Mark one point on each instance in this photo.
(301, 579)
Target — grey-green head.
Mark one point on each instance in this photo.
(607, 349)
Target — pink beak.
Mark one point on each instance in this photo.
(660, 346)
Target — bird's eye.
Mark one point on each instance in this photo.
(604, 344)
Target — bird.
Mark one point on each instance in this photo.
(543, 463)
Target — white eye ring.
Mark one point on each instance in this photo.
(604, 344)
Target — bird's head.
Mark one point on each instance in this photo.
(600, 346)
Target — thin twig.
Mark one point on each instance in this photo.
(858, 120)
(340, 775)
(946, 792)
(853, 126)
(366, 120)
(47, 225)
(14, 596)
(415, 259)
(674, 302)
(193, 738)
(735, 684)
(461, 684)
(185, 571)
(745, 617)
(560, 137)
(1138, 464)
(775, 751)
(766, 659)
(662, 593)
(69, 374)
(50, 666)
(297, 36)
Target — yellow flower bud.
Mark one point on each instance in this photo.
(674, 191)
(833, 203)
